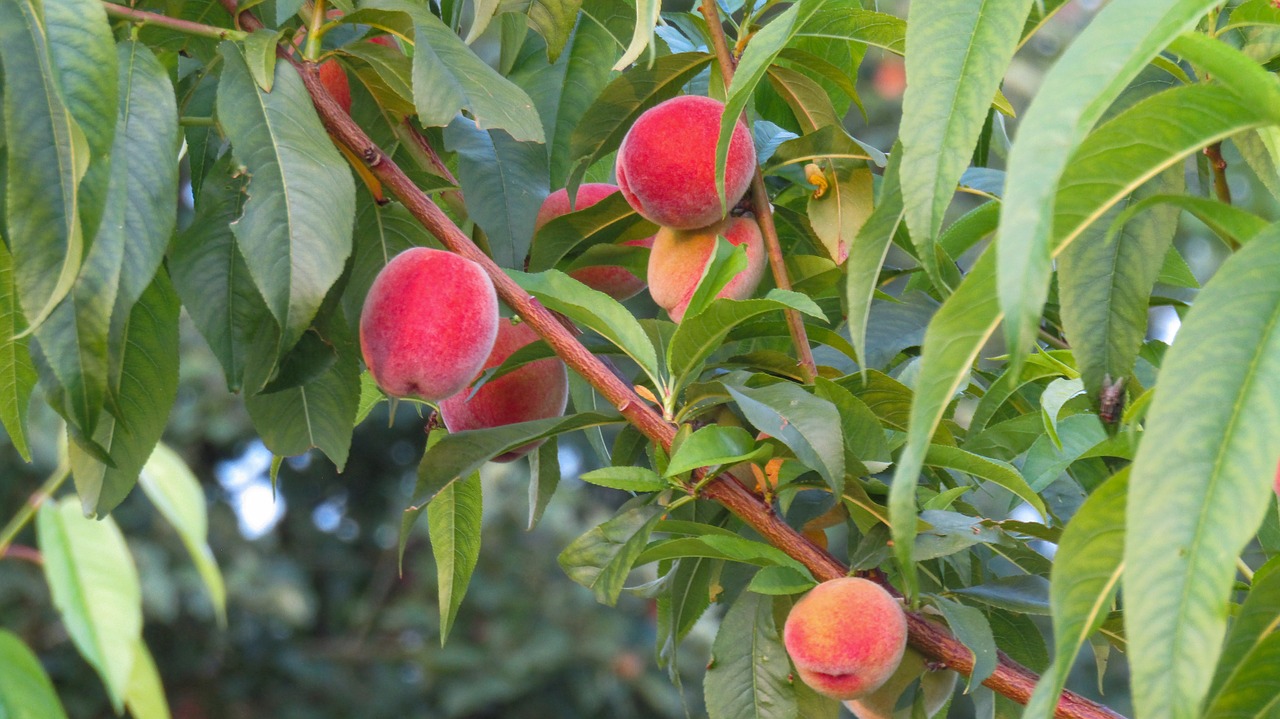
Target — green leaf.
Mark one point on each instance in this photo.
(504, 182)
(955, 61)
(260, 54)
(951, 344)
(606, 122)
(749, 675)
(992, 470)
(630, 479)
(1252, 12)
(715, 445)
(1245, 683)
(48, 156)
(95, 588)
(752, 66)
(1203, 475)
(1105, 280)
(839, 215)
(601, 559)
(720, 546)
(319, 413)
(698, 337)
(1024, 594)
(554, 21)
(598, 311)
(387, 74)
(1077, 90)
(971, 627)
(462, 453)
(25, 690)
(212, 277)
(453, 520)
(807, 99)
(17, 374)
(145, 381)
(870, 247)
(647, 12)
(544, 477)
(448, 76)
(807, 425)
(1086, 575)
(780, 581)
(176, 493)
(83, 56)
(137, 223)
(725, 263)
(145, 695)
(1047, 459)
(605, 222)
(687, 599)
(831, 143)
(295, 233)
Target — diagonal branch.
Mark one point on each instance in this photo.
(1010, 679)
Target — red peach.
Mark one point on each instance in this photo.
(679, 258)
(936, 685)
(846, 637)
(428, 323)
(537, 390)
(667, 163)
(334, 79)
(617, 282)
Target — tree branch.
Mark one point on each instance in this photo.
(187, 27)
(1009, 679)
(1219, 166)
(760, 202)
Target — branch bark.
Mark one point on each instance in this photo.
(1010, 679)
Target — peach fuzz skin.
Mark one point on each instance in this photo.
(428, 324)
(617, 282)
(667, 163)
(846, 637)
(679, 257)
(538, 390)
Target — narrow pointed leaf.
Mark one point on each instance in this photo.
(807, 425)
(145, 696)
(1245, 683)
(17, 374)
(601, 559)
(870, 247)
(95, 588)
(453, 520)
(1203, 474)
(1075, 93)
(749, 676)
(1086, 575)
(295, 233)
(25, 690)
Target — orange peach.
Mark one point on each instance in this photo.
(538, 390)
(428, 323)
(846, 637)
(667, 163)
(617, 282)
(679, 257)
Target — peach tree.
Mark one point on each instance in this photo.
(926, 365)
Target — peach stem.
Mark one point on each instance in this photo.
(1009, 679)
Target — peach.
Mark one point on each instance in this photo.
(846, 637)
(679, 258)
(334, 79)
(936, 686)
(429, 321)
(667, 163)
(538, 390)
(617, 282)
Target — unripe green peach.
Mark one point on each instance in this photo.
(617, 282)
(428, 323)
(936, 686)
(667, 163)
(679, 258)
(846, 637)
(538, 390)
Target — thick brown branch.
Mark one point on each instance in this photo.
(763, 209)
(1010, 679)
(1219, 167)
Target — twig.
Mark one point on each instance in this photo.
(28, 510)
(1053, 341)
(1010, 679)
(184, 26)
(763, 209)
(422, 151)
(26, 554)
(1219, 165)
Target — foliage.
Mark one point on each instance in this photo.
(1073, 465)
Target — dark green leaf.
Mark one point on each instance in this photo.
(715, 445)
(554, 21)
(870, 247)
(544, 477)
(749, 675)
(992, 470)
(17, 375)
(807, 425)
(1024, 594)
(601, 559)
(971, 627)
(453, 520)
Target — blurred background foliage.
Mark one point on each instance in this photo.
(321, 623)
